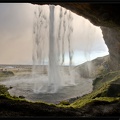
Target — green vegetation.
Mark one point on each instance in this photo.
(6, 74)
(3, 90)
(104, 93)
(99, 81)
(108, 99)
(14, 106)
(63, 104)
(107, 92)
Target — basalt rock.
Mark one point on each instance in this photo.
(105, 15)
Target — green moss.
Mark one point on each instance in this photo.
(99, 94)
(4, 94)
(6, 74)
(83, 102)
(80, 103)
(3, 90)
(63, 104)
(104, 88)
(99, 81)
(17, 99)
(108, 99)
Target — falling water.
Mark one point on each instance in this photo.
(39, 38)
(59, 33)
(54, 76)
(51, 80)
(70, 30)
(63, 37)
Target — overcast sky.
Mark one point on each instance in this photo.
(16, 38)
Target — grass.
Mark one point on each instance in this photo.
(5, 74)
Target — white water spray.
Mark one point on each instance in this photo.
(54, 76)
(59, 33)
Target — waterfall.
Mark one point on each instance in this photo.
(55, 76)
(59, 33)
(70, 30)
(63, 37)
(39, 39)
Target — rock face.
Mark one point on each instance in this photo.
(92, 69)
(104, 15)
(112, 40)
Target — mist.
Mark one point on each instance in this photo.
(16, 33)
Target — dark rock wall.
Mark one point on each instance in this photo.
(105, 15)
(112, 40)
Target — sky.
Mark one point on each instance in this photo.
(16, 35)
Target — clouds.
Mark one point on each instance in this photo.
(15, 17)
(16, 20)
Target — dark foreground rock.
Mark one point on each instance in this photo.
(102, 108)
(104, 100)
(10, 107)
(13, 106)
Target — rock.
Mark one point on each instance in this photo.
(105, 16)
(92, 69)
(21, 96)
(6, 73)
(10, 87)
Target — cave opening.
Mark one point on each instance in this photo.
(86, 43)
(93, 91)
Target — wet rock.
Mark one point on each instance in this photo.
(10, 87)
(21, 96)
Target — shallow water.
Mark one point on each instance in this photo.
(26, 86)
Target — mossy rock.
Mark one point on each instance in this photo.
(3, 89)
(108, 93)
(6, 73)
(21, 96)
(108, 90)
(112, 91)
(99, 81)
(62, 103)
(11, 106)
